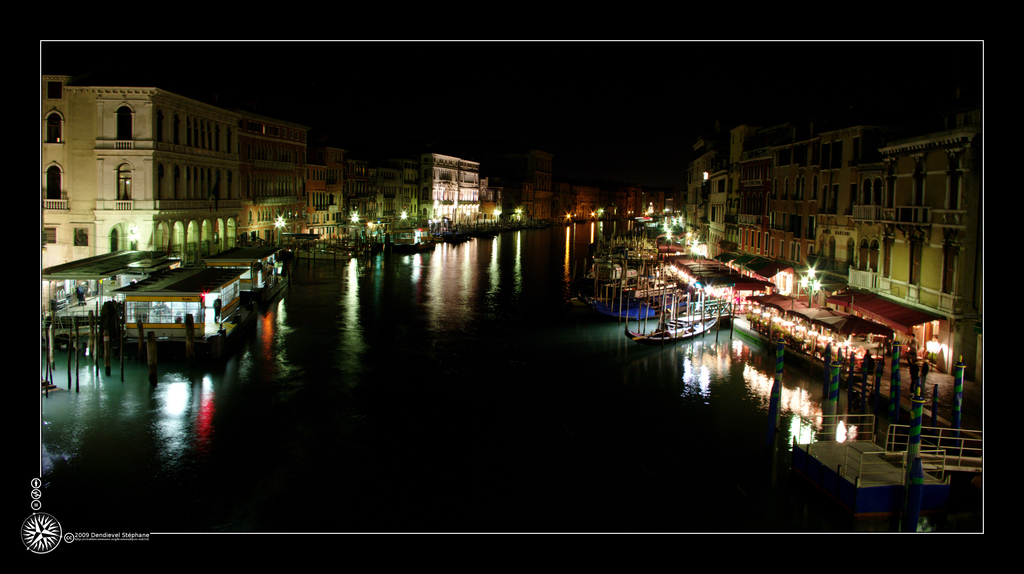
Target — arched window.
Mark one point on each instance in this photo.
(177, 182)
(862, 263)
(53, 128)
(124, 182)
(873, 256)
(160, 180)
(115, 243)
(124, 123)
(53, 183)
(177, 129)
(159, 125)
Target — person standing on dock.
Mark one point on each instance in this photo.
(912, 350)
(216, 310)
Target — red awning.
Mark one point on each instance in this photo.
(878, 308)
(773, 269)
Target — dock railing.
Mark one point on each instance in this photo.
(961, 449)
(842, 428)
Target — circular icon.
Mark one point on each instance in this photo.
(41, 533)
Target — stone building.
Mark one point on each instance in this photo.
(142, 168)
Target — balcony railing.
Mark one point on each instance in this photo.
(55, 204)
(924, 297)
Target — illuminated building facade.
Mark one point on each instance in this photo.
(325, 190)
(920, 235)
(451, 188)
(272, 158)
(126, 168)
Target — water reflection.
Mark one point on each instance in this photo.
(471, 324)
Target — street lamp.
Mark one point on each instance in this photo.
(278, 224)
(810, 285)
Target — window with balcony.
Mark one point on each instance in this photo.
(124, 182)
(54, 124)
(915, 262)
(949, 254)
(953, 182)
(53, 183)
(124, 123)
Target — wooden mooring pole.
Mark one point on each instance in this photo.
(92, 342)
(78, 345)
(190, 337)
(71, 350)
(151, 356)
(142, 340)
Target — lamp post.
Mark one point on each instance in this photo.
(278, 224)
(810, 285)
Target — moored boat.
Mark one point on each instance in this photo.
(412, 241)
(672, 331)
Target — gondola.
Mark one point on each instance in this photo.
(630, 309)
(672, 332)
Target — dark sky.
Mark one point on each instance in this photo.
(626, 110)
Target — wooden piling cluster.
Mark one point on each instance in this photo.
(108, 329)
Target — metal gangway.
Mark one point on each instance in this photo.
(849, 444)
(954, 450)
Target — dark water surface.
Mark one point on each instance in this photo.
(448, 391)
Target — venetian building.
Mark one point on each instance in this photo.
(927, 223)
(835, 188)
(358, 188)
(407, 202)
(794, 175)
(325, 169)
(272, 156)
(135, 168)
(755, 165)
(707, 174)
(532, 170)
(453, 187)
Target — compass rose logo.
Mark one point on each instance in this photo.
(40, 532)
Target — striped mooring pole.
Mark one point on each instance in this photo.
(958, 393)
(915, 478)
(915, 493)
(894, 385)
(774, 407)
(879, 370)
(828, 365)
(831, 405)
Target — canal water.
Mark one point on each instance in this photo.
(451, 391)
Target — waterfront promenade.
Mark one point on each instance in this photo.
(971, 416)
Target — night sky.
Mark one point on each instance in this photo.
(608, 110)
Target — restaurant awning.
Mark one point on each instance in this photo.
(873, 306)
(853, 325)
(780, 302)
(727, 256)
(771, 268)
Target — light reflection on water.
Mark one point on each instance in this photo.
(445, 372)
